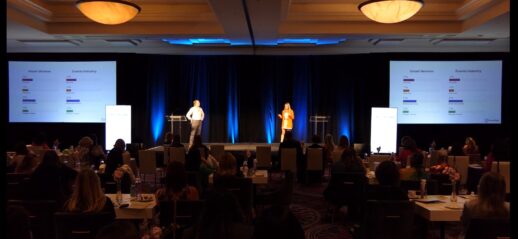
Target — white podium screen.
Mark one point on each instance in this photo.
(118, 124)
(384, 130)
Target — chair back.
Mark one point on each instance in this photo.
(410, 184)
(314, 159)
(264, 156)
(289, 159)
(177, 154)
(80, 225)
(475, 159)
(358, 148)
(388, 219)
(147, 161)
(488, 228)
(460, 163)
(167, 154)
(182, 213)
(242, 188)
(504, 169)
(347, 188)
(217, 150)
(40, 214)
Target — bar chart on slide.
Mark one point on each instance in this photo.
(61, 91)
(446, 92)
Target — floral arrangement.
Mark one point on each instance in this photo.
(452, 172)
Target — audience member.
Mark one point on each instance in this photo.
(343, 144)
(114, 159)
(21, 151)
(52, 180)
(415, 170)
(176, 187)
(88, 196)
(499, 152)
(329, 146)
(490, 202)
(349, 163)
(27, 165)
(470, 147)
(197, 155)
(409, 148)
(40, 141)
(387, 174)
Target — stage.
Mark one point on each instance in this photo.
(231, 147)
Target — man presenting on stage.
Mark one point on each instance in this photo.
(195, 115)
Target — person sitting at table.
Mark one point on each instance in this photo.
(88, 196)
(490, 202)
(415, 171)
(197, 155)
(349, 163)
(114, 159)
(82, 151)
(20, 150)
(343, 144)
(470, 147)
(52, 180)
(387, 174)
(176, 187)
(27, 165)
(499, 152)
(409, 148)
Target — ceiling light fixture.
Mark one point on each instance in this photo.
(110, 12)
(390, 11)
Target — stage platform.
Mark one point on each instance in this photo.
(231, 147)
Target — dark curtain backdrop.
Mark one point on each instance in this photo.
(242, 95)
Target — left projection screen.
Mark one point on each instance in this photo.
(61, 92)
(118, 124)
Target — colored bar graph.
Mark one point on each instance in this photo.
(451, 111)
(406, 90)
(406, 111)
(454, 79)
(69, 80)
(451, 90)
(70, 111)
(25, 90)
(73, 101)
(408, 80)
(27, 79)
(69, 90)
(29, 100)
(409, 101)
(455, 101)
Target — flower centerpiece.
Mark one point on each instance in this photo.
(454, 178)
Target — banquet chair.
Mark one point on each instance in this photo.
(69, 225)
(40, 216)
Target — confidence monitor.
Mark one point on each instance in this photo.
(54, 92)
(446, 92)
(383, 130)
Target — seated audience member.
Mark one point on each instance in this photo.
(27, 165)
(176, 187)
(168, 138)
(18, 223)
(221, 217)
(88, 196)
(499, 152)
(349, 163)
(82, 151)
(20, 151)
(470, 147)
(343, 144)
(290, 142)
(176, 141)
(228, 167)
(490, 202)
(249, 158)
(387, 174)
(40, 141)
(415, 171)
(118, 230)
(329, 145)
(197, 157)
(114, 159)
(52, 180)
(409, 148)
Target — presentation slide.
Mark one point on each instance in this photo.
(384, 130)
(71, 92)
(446, 92)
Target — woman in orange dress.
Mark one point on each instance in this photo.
(287, 117)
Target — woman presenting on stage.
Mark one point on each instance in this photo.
(287, 117)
